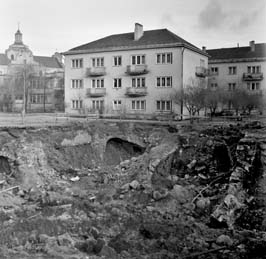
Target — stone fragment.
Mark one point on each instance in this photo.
(224, 240)
(160, 194)
(203, 204)
(94, 232)
(108, 253)
(192, 164)
(134, 184)
(180, 193)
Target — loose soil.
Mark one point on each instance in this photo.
(133, 190)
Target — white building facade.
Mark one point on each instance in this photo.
(133, 73)
(239, 68)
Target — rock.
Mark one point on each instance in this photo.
(160, 194)
(74, 179)
(150, 208)
(65, 240)
(89, 245)
(192, 164)
(124, 164)
(99, 245)
(108, 253)
(203, 204)
(94, 232)
(200, 169)
(134, 184)
(224, 240)
(180, 193)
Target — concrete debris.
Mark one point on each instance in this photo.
(125, 190)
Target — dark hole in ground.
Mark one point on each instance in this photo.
(4, 166)
(118, 150)
(222, 157)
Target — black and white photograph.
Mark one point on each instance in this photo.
(133, 129)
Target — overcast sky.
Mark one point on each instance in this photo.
(58, 25)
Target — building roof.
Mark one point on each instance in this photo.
(238, 52)
(47, 61)
(155, 38)
(3, 60)
(50, 62)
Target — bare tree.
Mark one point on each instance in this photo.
(19, 82)
(214, 98)
(192, 96)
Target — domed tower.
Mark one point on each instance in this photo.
(18, 37)
(19, 53)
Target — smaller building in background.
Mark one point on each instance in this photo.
(35, 83)
(241, 68)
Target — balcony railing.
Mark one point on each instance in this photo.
(201, 72)
(96, 92)
(137, 69)
(252, 76)
(136, 91)
(96, 71)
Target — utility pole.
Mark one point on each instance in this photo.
(24, 92)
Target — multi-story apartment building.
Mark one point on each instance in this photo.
(33, 82)
(135, 73)
(239, 67)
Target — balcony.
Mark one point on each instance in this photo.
(137, 69)
(96, 92)
(136, 91)
(96, 71)
(252, 76)
(201, 72)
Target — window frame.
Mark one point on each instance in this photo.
(136, 57)
(164, 82)
(162, 58)
(77, 63)
(138, 105)
(117, 83)
(163, 104)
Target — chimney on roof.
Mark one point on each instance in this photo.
(138, 33)
(203, 48)
(252, 45)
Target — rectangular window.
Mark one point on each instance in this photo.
(117, 61)
(214, 85)
(232, 70)
(117, 82)
(76, 104)
(138, 82)
(98, 62)
(138, 60)
(253, 86)
(139, 105)
(231, 86)
(117, 105)
(254, 69)
(164, 105)
(214, 70)
(97, 83)
(164, 58)
(77, 63)
(38, 98)
(164, 81)
(76, 83)
(97, 105)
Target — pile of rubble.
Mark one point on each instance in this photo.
(190, 194)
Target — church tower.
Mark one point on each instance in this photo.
(18, 37)
(18, 52)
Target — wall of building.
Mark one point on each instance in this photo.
(224, 78)
(154, 70)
